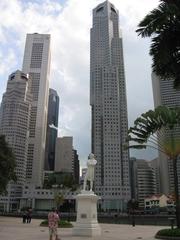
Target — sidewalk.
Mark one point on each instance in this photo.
(14, 229)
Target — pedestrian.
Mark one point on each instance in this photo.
(53, 219)
(24, 217)
(29, 213)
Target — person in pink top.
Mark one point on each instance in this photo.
(53, 219)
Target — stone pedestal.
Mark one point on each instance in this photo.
(86, 222)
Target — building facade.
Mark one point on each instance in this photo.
(154, 164)
(109, 108)
(14, 125)
(66, 158)
(36, 63)
(165, 94)
(75, 166)
(143, 180)
(64, 155)
(15, 117)
(159, 202)
(52, 130)
(42, 200)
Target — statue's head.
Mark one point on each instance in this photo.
(91, 156)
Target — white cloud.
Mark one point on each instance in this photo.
(69, 26)
(7, 61)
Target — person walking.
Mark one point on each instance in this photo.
(53, 219)
(29, 215)
(24, 217)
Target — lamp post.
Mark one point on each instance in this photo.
(133, 208)
(69, 209)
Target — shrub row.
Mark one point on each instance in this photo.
(168, 233)
(61, 223)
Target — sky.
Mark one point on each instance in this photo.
(69, 23)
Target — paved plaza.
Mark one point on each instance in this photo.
(14, 229)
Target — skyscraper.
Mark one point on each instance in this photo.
(36, 62)
(75, 166)
(64, 155)
(143, 180)
(154, 164)
(14, 119)
(165, 94)
(14, 125)
(52, 125)
(109, 108)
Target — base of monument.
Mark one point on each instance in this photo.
(86, 223)
(86, 230)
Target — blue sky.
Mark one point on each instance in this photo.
(69, 24)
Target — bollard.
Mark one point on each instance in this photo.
(172, 222)
(133, 220)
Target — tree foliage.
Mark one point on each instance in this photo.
(153, 122)
(163, 25)
(59, 199)
(142, 135)
(132, 205)
(62, 179)
(7, 165)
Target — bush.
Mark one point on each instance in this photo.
(168, 233)
(61, 223)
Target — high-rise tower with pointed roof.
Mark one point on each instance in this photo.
(109, 108)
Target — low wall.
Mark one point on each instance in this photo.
(158, 220)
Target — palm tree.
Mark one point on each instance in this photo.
(7, 164)
(163, 25)
(142, 135)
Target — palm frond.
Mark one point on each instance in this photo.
(150, 123)
(162, 24)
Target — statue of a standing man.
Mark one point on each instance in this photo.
(90, 171)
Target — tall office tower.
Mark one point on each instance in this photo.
(14, 119)
(66, 158)
(52, 125)
(144, 180)
(154, 164)
(64, 155)
(37, 63)
(165, 94)
(75, 166)
(131, 172)
(109, 108)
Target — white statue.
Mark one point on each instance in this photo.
(90, 172)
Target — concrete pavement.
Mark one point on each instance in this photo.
(14, 229)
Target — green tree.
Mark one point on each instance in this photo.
(61, 178)
(142, 135)
(59, 199)
(132, 205)
(163, 25)
(7, 164)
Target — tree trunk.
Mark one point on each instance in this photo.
(176, 192)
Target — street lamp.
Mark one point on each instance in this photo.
(69, 206)
(133, 213)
